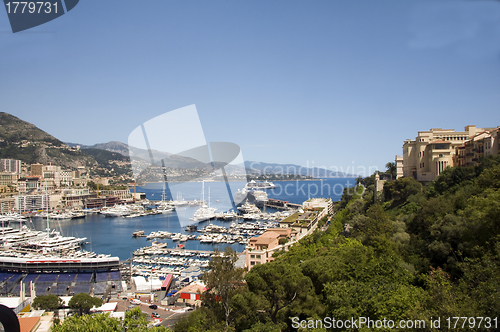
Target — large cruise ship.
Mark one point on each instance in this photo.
(260, 185)
(258, 197)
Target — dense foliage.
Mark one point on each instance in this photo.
(135, 321)
(411, 252)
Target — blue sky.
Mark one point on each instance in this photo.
(331, 83)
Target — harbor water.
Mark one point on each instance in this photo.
(114, 235)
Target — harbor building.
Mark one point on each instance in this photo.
(26, 203)
(7, 205)
(302, 223)
(192, 294)
(425, 157)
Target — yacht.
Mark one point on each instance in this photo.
(259, 197)
(56, 242)
(205, 212)
(165, 208)
(249, 208)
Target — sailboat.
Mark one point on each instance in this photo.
(165, 207)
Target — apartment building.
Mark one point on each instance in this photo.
(260, 249)
(325, 204)
(481, 144)
(303, 223)
(7, 205)
(8, 179)
(29, 183)
(26, 203)
(432, 151)
(398, 161)
(36, 170)
(10, 165)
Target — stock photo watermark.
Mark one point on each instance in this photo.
(366, 322)
(24, 15)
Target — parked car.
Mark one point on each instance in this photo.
(153, 306)
(154, 314)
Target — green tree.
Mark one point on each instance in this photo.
(47, 302)
(279, 285)
(223, 281)
(135, 321)
(84, 302)
(391, 169)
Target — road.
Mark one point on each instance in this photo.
(169, 314)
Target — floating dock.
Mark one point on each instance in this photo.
(281, 205)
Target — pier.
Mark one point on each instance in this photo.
(153, 250)
(281, 205)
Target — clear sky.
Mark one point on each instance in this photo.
(334, 83)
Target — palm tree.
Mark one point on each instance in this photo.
(391, 169)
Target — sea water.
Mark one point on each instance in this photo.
(114, 235)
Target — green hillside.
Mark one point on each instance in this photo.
(417, 253)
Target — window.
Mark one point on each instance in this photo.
(441, 146)
(252, 263)
(252, 256)
(258, 256)
(440, 155)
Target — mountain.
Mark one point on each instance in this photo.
(24, 141)
(181, 162)
(112, 146)
(255, 167)
(142, 155)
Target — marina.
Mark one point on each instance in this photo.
(114, 235)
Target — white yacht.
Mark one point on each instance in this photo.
(205, 212)
(249, 208)
(57, 242)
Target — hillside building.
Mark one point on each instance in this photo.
(481, 144)
(325, 204)
(260, 249)
(432, 151)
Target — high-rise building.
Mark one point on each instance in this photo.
(37, 170)
(10, 165)
(432, 151)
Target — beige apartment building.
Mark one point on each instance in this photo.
(432, 151)
(482, 144)
(260, 249)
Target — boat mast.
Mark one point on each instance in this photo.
(202, 192)
(47, 209)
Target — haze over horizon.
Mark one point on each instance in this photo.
(334, 84)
